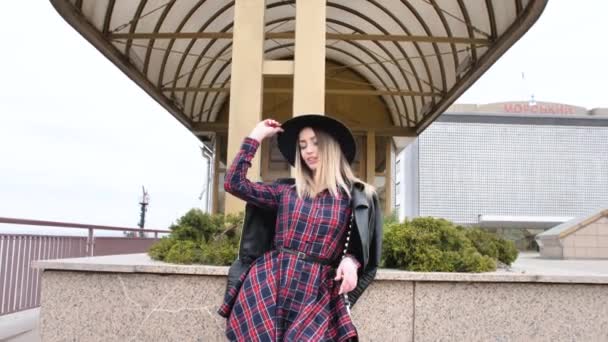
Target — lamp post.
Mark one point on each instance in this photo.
(145, 199)
(209, 156)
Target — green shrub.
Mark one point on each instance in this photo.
(392, 218)
(490, 244)
(159, 250)
(485, 243)
(507, 252)
(433, 245)
(198, 237)
(183, 252)
(473, 261)
(196, 225)
(422, 244)
(221, 252)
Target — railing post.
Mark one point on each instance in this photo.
(90, 242)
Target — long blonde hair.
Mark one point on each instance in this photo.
(334, 170)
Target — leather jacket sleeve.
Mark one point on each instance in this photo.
(366, 275)
(256, 238)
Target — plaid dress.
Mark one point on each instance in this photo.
(283, 298)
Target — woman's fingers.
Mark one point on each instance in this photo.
(346, 286)
(349, 282)
(266, 128)
(272, 123)
(339, 273)
(274, 127)
(352, 283)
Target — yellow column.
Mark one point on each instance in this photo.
(370, 169)
(309, 60)
(245, 84)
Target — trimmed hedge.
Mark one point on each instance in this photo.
(490, 244)
(200, 238)
(422, 244)
(436, 245)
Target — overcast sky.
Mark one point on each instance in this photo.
(563, 56)
(78, 139)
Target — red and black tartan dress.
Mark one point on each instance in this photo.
(282, 297)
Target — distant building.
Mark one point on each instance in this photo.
(585, 237)
(508, 164)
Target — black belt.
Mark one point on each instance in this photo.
(306, 257)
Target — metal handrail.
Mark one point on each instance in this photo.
(90, 227)
(20, 283)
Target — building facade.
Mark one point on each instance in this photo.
(515, 162)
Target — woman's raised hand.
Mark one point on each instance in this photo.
(265, 129)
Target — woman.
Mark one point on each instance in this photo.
(294, 290)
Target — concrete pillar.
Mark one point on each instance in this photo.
(246, 84)
(309, 60)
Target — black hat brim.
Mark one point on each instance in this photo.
(288, 139)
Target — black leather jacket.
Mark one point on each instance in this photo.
(258, 235)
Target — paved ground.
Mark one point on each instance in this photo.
(531, 263)
(20, 326)
(30, 336)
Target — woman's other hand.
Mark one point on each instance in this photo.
(347, 272)
(265, 129)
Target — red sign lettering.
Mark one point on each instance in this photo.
(538, 108)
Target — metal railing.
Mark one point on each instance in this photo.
(20, 283)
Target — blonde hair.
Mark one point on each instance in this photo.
(334, 170)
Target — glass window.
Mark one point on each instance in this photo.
(380, 184)
(381, 143)
(358, 165)
(276, 161)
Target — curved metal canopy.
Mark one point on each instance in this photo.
(419, 56)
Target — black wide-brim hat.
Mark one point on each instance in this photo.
(288, 139)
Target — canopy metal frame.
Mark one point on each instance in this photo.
(418, 56)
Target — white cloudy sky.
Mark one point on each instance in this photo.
(78, 139)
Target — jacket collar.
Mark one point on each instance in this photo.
(358, 196)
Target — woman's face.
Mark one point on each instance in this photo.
(307, 142)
